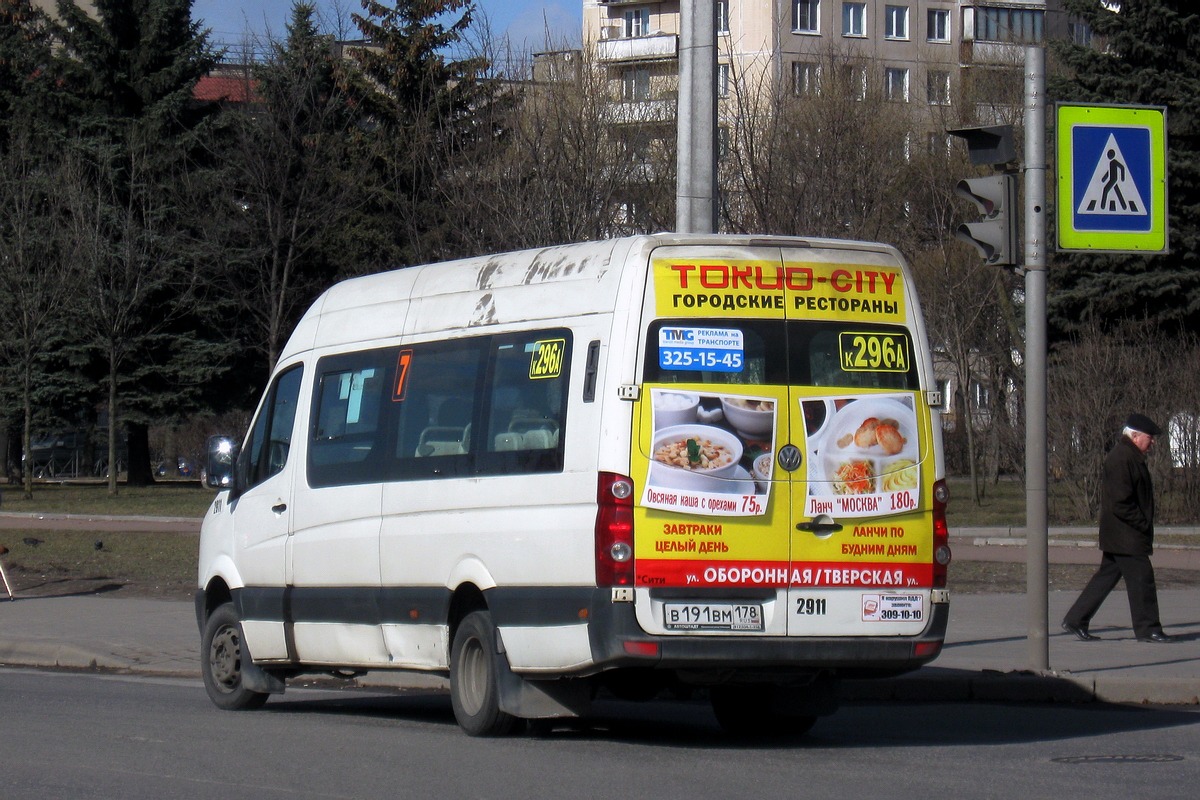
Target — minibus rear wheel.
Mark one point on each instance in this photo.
(221, 662)
(474, 689)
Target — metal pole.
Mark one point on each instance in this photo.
(696, 166)
(1036, 534)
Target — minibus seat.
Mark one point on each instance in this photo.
(541, 439)
(452, 433)
(442, 440)
(538, 432)
(509, 441)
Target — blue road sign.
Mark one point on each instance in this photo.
(1112, 178)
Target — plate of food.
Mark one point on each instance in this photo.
(866, 440)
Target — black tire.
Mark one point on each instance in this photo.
(221, 662)
(474, 690)
(749, 713)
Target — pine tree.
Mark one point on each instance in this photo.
(1147, 53)
(128, 72)
(34, 258)
(424, 107)
(24, 51)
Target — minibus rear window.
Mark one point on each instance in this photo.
(780, 353)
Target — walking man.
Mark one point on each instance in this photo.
(1126, 537)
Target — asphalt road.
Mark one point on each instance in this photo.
(81, 736)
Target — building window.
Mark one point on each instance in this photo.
(635, 85)
(722, 16)
(637, 22)
(940, 144)
(981, 397)
(895, 84)
(854, 19)
(806, 16)
(937, 87)
(1009, 25)
(722, 80)
(938, 25)
(854, 81)
(805, 78)
(896, 22)
(1080, 33)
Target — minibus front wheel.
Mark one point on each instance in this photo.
(221, 662)
(474, 678)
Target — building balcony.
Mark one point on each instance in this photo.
(640, 112)
(656, 47)
(993, 53)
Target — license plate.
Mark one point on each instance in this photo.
(713, 616)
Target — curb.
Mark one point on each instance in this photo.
(926, 685)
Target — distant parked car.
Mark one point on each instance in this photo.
(55, 454)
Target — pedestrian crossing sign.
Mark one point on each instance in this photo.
(1112, 187)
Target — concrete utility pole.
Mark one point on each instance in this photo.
(696, 166)
(1036, 532)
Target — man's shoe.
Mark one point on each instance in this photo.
(1157, 636)
(1080, 632)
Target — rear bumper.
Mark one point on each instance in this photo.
(617, 641)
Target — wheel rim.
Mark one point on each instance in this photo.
(225, 658)
(473, 676)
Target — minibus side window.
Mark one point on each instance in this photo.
(271, 437)
(526, 403)
(434, 407)
(347, 431)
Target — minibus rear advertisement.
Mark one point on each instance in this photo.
(781, 439)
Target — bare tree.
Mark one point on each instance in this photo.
(1095, 381)
(288, 184)
(131, 272)
(826, 158)
(35, 262)
(568, 162)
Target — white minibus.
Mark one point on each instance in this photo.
(707, 465)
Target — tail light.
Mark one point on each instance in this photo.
(941, 535)
(614, 530)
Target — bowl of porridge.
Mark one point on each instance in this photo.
(689, 456)
(751, 416)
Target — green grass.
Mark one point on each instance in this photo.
(163, 499)
(51, 562)
(1001, 503)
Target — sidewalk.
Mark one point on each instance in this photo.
(987, 655)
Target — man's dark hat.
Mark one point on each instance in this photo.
(1140, 422)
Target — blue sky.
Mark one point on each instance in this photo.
(525, 21)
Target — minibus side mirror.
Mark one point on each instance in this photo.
(222, 452)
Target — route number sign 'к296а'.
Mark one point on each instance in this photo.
(1112, 178)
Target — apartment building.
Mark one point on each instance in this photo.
(912, 51)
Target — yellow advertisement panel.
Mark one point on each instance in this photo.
(770, 289)
(744, 483)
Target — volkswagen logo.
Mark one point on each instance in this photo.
(789, 457)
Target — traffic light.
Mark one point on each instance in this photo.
(995, 236)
